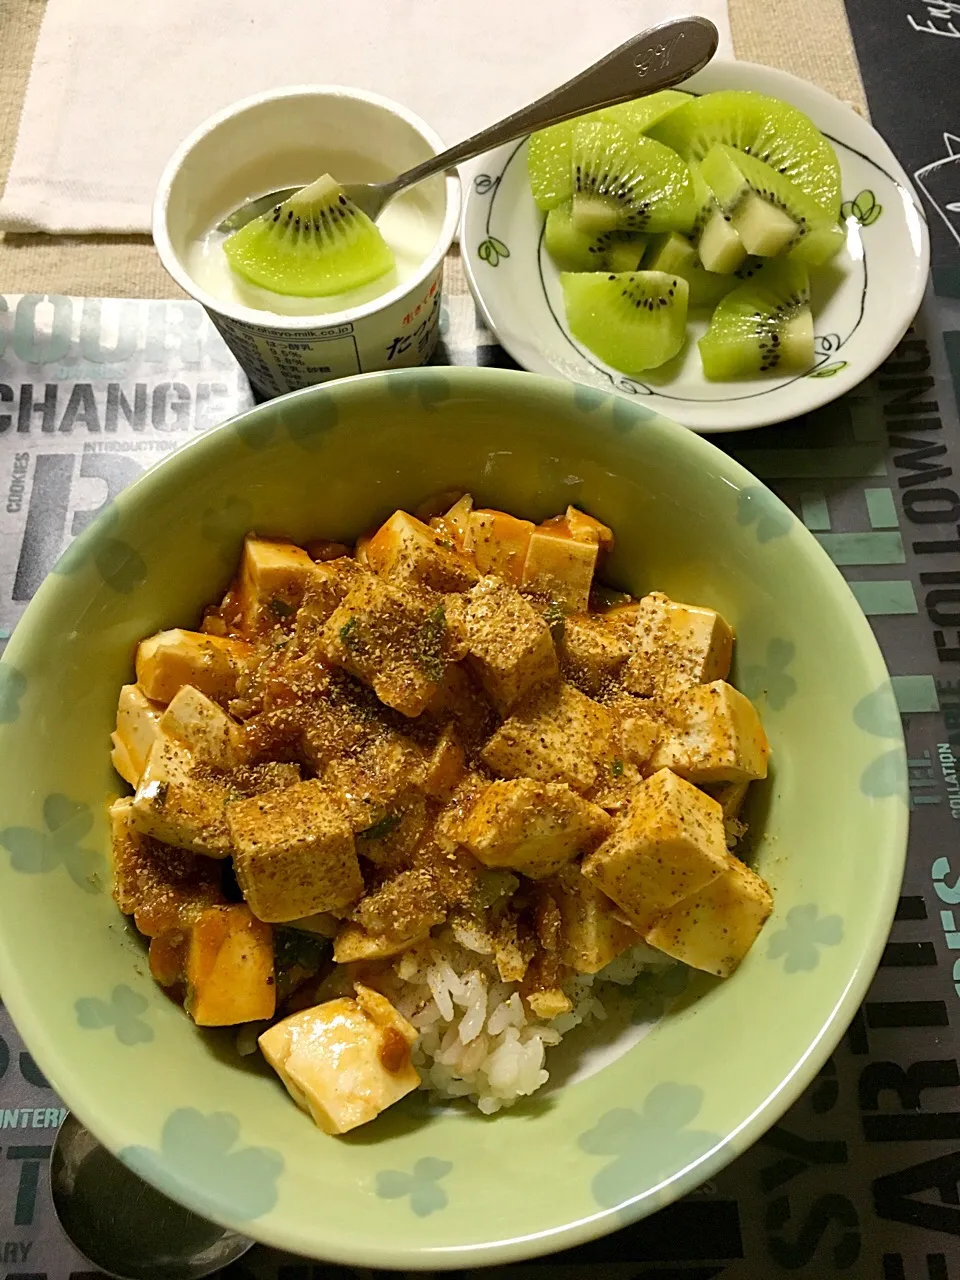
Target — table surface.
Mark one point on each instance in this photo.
(809, 38)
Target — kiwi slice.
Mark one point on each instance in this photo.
(574, 250)
(549, 152)
(676, 255)
(770, 130)
(763, 326)
(313, 245)
(631, 320)
(643, 113)
(718, 246)
(770, 213)
(628, 182)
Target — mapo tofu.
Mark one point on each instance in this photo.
(397, 806)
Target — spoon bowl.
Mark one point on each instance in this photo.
(123, 1226)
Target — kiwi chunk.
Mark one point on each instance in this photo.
(718, 246)
(632, 321)
(575, 250)
(763, 326)
(769, 130)
(643, 113)
(550, 151)
(769, 212)
(676, 255)
(628, 182)
(313, 245)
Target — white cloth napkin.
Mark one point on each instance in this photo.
(116, 84)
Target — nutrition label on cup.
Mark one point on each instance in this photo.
(300, 358)
(400, 335)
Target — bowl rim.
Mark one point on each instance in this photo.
(821, 391)
(39, 1032)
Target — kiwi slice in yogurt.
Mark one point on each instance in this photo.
(317, 243)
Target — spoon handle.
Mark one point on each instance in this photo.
(659, 57)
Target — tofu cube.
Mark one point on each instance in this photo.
(178, 805)
(510, 648)
(531, 827)
(323, 924)
(170, 659)
(676, 646)
(730, 796)
(161, 887)
(321, 549)
(212, 736)
(445, 766)
(455, 522)
(591, 934)
(137, 721)
(273, 577)
(586, 528)
(353, 944)
(324, 591)
(639, 732)
(721, 738)
(167, 959)
(714, 928)
(408, 553)
(592, 653)
(621, 619)
(344, 1061)
(397, 642)
(615, 785)
(408, 905)
(294, 853)
(498, 543)
(229, 970)
(375, 780)
(561, 568)
(460, 700)
(556, 735)
(667, 845)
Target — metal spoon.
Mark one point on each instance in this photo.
(656, 59)
(122, 1225)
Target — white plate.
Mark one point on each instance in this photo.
(864, 300)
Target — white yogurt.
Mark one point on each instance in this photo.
(410, 224)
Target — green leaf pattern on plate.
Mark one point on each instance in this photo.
(198, 1150)
(879, 715)
(422, 1185)
(226, 524)
(492, 250)
(643, 1145)
(804, 933)
(862, 209)
(118, 563)
(772, 681)
(404, 383)
(652, 992)
(827, 370)
(122, 1012)
(67, 823)
(259, 430)
(758, 506)
(13, 685)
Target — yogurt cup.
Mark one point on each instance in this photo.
(284, 138)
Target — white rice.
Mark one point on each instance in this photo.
(477, 1040)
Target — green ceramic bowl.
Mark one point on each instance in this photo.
(421, 1188)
